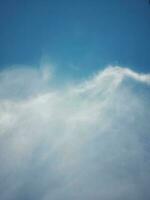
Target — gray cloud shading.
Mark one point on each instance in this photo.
(85, 141)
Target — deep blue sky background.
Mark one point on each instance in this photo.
(78, 36)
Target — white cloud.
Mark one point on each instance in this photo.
(85, 141)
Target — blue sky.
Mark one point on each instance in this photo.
(84, 35)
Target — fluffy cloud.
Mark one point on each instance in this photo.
(84, 141)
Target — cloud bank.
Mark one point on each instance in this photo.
(88, 140)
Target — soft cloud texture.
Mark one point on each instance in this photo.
(85, 141)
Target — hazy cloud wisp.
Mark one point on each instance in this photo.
(85, 141)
